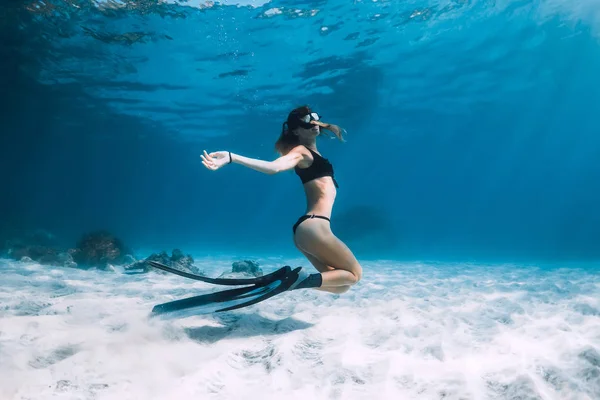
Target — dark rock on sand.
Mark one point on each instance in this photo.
(177, 260)
(243, 269)
(99, 249)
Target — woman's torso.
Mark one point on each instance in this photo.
(319, 185)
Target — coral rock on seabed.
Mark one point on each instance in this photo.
(98, 249)
(243, 269)
(41, 254)
(177, 260)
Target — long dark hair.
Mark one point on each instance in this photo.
(288, 140)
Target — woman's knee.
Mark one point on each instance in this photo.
(357, 272)
(356, 275)
(351, 266)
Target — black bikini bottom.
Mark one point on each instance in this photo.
(305, 217)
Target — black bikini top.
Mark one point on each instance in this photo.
(320, 167)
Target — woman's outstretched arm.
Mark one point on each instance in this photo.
(218, 159)
(280, 164)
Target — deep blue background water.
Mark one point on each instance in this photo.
(472, 125)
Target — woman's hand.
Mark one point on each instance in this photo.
(215, 160)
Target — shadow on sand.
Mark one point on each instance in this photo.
(245, 325)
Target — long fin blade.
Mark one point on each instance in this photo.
(202, 304)
(226, 300)
(209, 303)
(265, 279)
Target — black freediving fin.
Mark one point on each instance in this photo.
(230, 299)
(289, 280)
(265, 279)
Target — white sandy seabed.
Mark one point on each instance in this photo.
(406, 331)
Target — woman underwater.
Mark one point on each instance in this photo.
(338, 267)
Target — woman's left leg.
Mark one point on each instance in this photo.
(314, 237)
(321, 267)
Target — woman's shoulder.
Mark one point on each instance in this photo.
(307, 156)
(300, 148)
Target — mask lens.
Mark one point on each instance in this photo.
(314, 116)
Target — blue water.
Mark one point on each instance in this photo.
(471, 125)
(469, 191)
